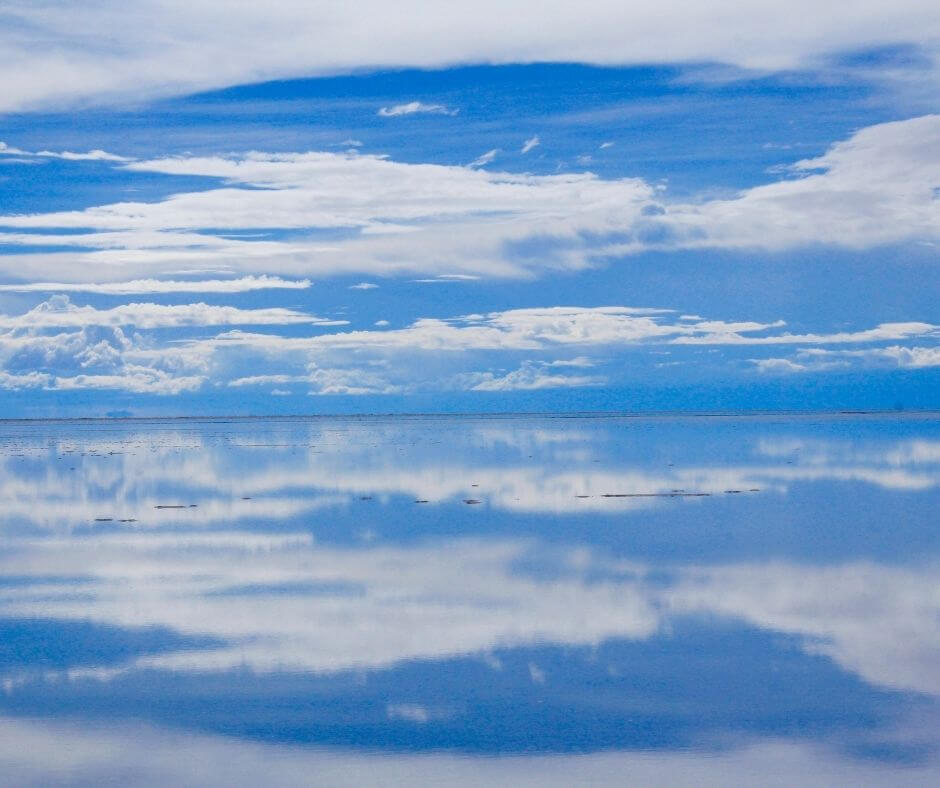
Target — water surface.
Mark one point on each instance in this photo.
(518, 600)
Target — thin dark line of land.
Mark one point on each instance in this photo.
(673, 414)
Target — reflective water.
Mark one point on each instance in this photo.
(518, 600)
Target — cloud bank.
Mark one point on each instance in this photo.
(66, 53)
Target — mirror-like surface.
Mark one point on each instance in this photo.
(518, 600)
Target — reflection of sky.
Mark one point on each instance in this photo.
(766, 591)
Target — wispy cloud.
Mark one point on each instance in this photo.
(486, 158)
(821, 360)
(154, 286)
(92, 155)
(60, 312)
(364, 286)
(529, 144)
(416, 108)
(884, 332)
(875, 188)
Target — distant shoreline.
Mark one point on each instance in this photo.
(678, 414)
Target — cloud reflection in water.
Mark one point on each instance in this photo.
(302, 595)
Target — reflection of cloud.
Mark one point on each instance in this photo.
(178, 568)
(822, 453)
(409, 607)
(522, 466)
(879, 622)
(876, 621)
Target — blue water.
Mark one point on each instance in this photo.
(468, 600)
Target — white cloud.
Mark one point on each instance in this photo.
(65, 53)
(92, 155)
(881, 333)
(408, 711)
(364, 286)
(529, 144)
(540, 328)
(28, 380)
(434, 353)
(542, 348)
(820, 360)
(778, 365)
(875, 188)
(266, 380)
(486, 158)
(98, 357)
(580, 362)
(60, 312)
(531, 376)
(147, 286)
(415, 108)
(138, 380)
(348, 381)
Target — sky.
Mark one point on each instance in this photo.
(300, 208)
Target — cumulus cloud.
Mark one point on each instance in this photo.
(138, 380)
(520, 349)
(97, 357)
(348, 381)
(531, 376)
(415, 108)
(93, 348)
(28, 380)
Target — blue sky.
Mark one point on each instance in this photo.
(318, 210)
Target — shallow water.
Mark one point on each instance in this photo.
(427, 600)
